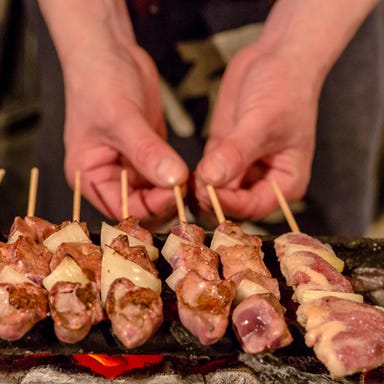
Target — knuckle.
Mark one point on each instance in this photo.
(145, 151)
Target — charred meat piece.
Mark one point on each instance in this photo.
(36, 228)
(198, 258)
(27, 257)
(21, 307)
(74, 309)
(131, 226)
(136, 313)
(259, 324)
(137, 254)
(234, 231)
(238, 258)
(204, 306)
(348, 337)
(76, 306)
(203, 298)
(87, 255)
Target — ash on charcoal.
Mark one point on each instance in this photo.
(269, 370)
(232, 378)
(49, 375)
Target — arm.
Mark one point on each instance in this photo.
(114, 114)
(264, 122)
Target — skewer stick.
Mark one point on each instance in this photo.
(285, 208)
(77, 197)
(2, 173)
(33, 183)
(124, 193)
(180, 204)
(216, 204)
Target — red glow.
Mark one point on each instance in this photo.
(374, 376)
(111, 366)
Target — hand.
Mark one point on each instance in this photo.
(114, 120)
(263, 128)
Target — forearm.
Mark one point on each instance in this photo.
(81, 28)
(313, 33)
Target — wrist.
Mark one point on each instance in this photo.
(312, 34)
(81, 30)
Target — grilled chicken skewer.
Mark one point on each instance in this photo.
(258, 317)
(203, 298)
(74, 282)
(347, 335)
(24, 264)
(130, 285)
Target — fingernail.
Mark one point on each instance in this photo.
(170, 172)
(214, 170)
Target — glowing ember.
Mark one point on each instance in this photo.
(375, 376)
(111, 366)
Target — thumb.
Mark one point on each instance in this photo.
(151, 156)
(227, 160)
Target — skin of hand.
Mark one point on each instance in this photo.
(114, 115)
(264, 122)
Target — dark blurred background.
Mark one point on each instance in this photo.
(19, 107)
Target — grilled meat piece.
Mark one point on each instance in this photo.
(234, 231)
(269, 283)
(189, 232)
(238, 258)
(305, 270)
(204, 305)
(28, 257)
(198, 258)
(300, 240)
(87, 255)
(131, 226)
(21, 307)
(74, 309)
(136, 313)
(347, 337)
(35, 228)
(259, 324)
(135, 254)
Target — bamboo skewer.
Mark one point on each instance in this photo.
(216, 204)
(285, 207)
(2, 173)
(33, 183)
(124, 193)
(77, 198)
(180, 204)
